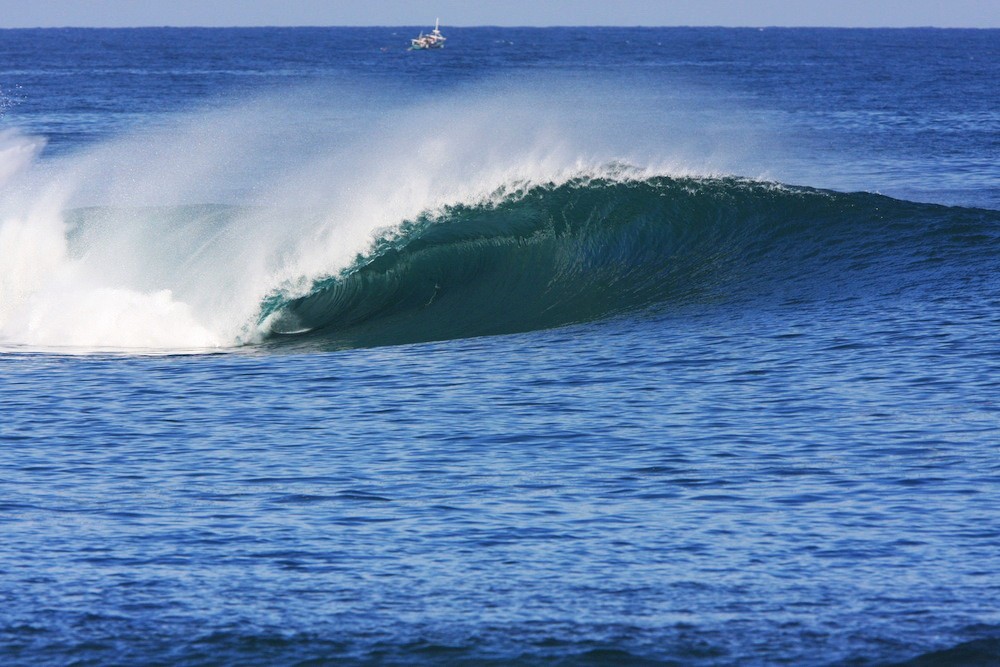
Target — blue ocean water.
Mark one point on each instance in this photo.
(555, 346)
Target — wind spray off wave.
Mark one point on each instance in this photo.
(124, 246)
(239, 225)
(53, 296)
(173, 238)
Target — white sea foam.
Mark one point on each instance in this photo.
(153, 267)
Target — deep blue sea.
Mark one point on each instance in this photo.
(555, 346)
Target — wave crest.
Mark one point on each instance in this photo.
(594, 247)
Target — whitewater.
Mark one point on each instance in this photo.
(314, 350)
(97, 258)
(126, 246)
(223, 261)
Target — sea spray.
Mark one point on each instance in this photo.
(51, 296)
(183, 235)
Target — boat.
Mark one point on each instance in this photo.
(434, 40)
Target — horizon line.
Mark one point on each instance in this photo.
(508, 27)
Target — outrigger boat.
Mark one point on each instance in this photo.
(435, 40)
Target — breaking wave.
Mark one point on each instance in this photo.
(596, 247)
(533, 241)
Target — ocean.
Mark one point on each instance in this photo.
(562, 346)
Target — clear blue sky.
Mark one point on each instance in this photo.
(860, 13)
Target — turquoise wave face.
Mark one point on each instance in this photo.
(596, 248)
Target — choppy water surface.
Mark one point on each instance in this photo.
(483, 374)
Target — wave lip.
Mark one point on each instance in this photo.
(597, 246)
